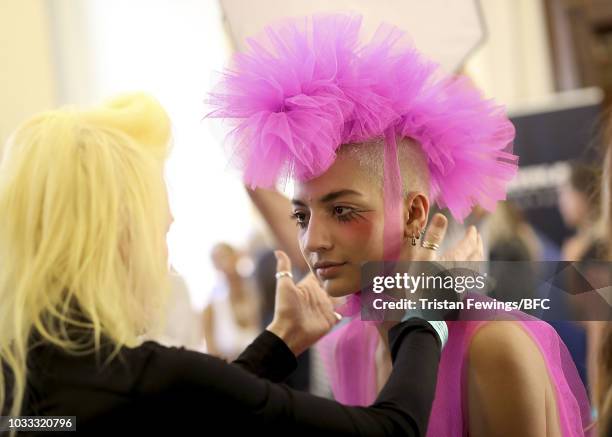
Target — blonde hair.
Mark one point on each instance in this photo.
(83, 216)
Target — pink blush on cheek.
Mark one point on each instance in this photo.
(357, 237)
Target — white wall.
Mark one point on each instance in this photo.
(514, 64)
(27, 77)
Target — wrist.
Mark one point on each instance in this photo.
(287, 335)
(439, 326)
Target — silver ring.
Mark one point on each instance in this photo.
(431, 246)
(282, 274)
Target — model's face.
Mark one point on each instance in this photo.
(340, 216)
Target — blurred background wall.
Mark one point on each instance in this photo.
(27, 75)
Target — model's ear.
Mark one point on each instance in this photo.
(416, 211)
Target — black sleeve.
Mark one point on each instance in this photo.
(185, 380)
(268, 357)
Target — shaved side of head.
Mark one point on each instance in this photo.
(411, 158)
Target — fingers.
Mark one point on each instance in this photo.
(478, 253)
(468, 249)
(283, 264)
(435, 232)
(437, 229)
(468, 244)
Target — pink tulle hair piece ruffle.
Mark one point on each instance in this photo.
(306, 86)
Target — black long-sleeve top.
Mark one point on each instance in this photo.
(174, 391)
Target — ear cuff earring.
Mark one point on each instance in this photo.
(419, 234)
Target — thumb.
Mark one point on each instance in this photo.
(437, 229)
(283, 263)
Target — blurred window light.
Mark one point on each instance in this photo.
(172, 50)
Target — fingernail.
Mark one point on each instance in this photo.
(276, 254)
(338, 316)
(439, 220)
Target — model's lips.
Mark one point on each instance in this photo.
(327, 270)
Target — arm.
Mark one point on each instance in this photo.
(508, 384)
(268, 357)
(595, 339)
(187, 380)
(275, 209)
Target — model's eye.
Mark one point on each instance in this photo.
(301, 220)
(344, 213)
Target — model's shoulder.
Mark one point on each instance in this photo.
(505, 348)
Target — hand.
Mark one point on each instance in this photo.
(303, 312)
(461, 256)
(470, 248)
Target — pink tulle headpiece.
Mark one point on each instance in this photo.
(305, 87)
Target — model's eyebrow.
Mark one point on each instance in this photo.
(335, 194)
(297, 202)
(329, 197)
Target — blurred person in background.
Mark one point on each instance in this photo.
(601, 332)
(265, 263)
(510, 236)
(183, 325)
(579, 205)
(232, 318)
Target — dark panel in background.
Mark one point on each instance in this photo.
(547, 138)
